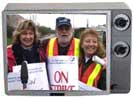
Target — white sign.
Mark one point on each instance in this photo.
(63, 72)
(85, 87)
(37, 80)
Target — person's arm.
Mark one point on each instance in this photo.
(102, 80)
(10, 58)
(44, 43)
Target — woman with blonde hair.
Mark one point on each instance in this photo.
(91, 72)
(25, 45)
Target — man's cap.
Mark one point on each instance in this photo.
(60, 21)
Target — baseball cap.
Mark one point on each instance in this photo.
(62, 21)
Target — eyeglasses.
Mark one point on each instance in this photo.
(61, 28)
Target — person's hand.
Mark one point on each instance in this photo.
(99, 60)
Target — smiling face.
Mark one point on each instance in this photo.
(25, 34)
(64, 34)
(27, 37)
(89, 45)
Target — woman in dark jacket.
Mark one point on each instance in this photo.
(25, 46)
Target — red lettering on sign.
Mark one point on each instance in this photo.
(62, 87)
(60, 76)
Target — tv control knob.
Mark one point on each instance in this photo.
(121, 22)
(121, 49)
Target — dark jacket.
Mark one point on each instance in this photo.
(16, 55)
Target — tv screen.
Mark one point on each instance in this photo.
(58, 52)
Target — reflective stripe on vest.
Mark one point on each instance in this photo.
(76, 47)
(50, 50)
(51, 45)
(93, 75)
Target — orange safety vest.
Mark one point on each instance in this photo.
(52, 48)
(91, 75)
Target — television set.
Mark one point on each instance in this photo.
(59, 75)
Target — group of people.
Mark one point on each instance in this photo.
(26, 46)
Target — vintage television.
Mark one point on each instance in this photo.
(111, 20)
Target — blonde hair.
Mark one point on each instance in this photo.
(21, 28)
(100, 50)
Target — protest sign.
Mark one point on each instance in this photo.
(37, 80)
(85, 87)
(63, 72)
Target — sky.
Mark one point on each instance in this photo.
(77, 20)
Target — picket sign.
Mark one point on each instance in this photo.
(63, 72)
(38, 79)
